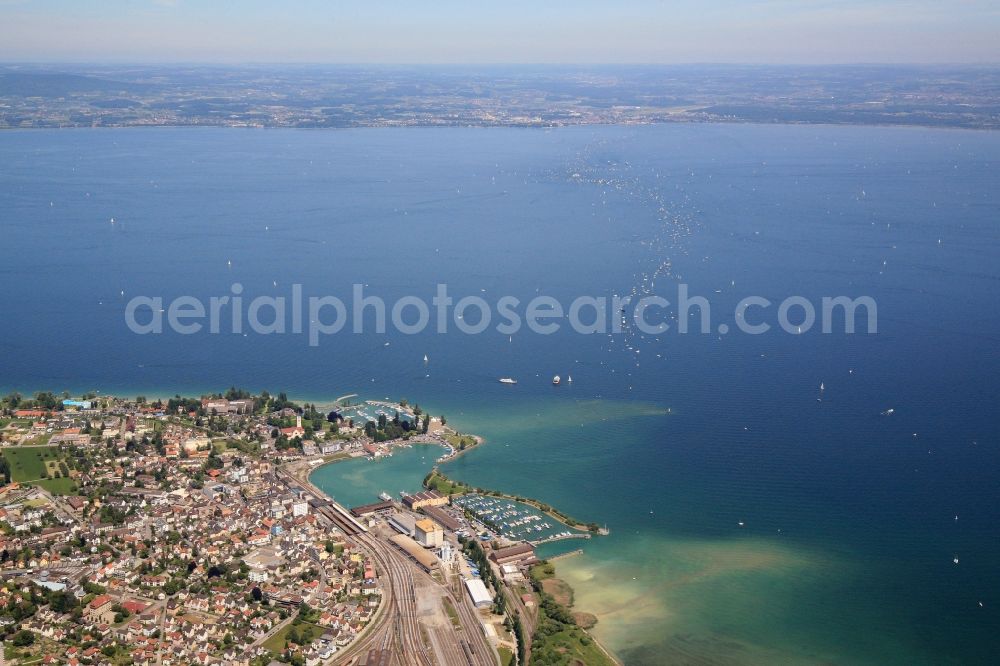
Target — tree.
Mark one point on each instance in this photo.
(519, 636)
(23, 638)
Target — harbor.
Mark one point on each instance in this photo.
(514, 520)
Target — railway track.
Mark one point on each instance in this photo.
(403, 632)
(398, 626)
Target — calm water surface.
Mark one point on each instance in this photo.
(850, 520)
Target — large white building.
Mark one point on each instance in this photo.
(257, 575)
(478, 593)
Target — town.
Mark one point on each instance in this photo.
(342, 96)
(186, 531)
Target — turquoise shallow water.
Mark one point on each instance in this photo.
(360, 481)
(849, 528)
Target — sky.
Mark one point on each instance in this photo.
(506, 31)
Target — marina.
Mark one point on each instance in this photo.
(514, 520)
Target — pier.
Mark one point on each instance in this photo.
(561, 537)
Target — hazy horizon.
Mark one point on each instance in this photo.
(765, 32)
(470, 64)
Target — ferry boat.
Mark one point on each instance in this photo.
(508, 380)
(385, 497)
(556, 380)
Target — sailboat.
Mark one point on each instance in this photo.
(425, 358)
(569, 379)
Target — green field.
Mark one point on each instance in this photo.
(61, 486)
(28, 463)
(276, 643)
(439, 482)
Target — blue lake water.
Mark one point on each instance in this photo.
(851, 520)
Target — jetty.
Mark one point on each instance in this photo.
(563, 556)
(561, 537)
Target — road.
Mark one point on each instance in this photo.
(278, 627)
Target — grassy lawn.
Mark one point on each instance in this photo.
(543, 570)
(28, 464)
(457, 441)
(61, 486)
(276, 643)
(575, 644)
(444, 485)
(506, 656)
(37, 441)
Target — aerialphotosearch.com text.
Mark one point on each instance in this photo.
(317, 317)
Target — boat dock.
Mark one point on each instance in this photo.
(560, 537)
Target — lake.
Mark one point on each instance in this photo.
(755, 517)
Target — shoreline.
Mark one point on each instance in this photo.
(583, 621)
(573, 627)
(562, 595)
(302, 472)
(516, 126)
